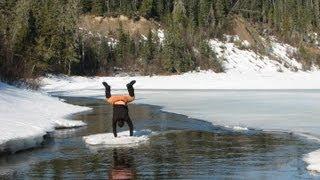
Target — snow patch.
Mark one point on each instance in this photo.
(63, 123)
(238, 128)
(247, 61)
(144, 37)
(27, 116)
(161, 35)
(246, 43)
(191, 80)
(313, 161)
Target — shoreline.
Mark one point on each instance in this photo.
(28, 116)
(203, 80)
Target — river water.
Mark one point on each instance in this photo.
(183, 148)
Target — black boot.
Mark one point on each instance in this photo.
(108, 89)
(131, 83)
(130, 88)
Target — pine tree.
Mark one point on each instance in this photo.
(211, 18)
(192, 8)
(86, 6)
(179, 13)
(148, 51)
(316, 6)
(178, 56)
(146, 8)
(98, 7)
(219, 12)
(125, 48)
(204, 9)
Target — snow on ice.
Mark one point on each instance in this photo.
(26, 116)
(313, 160)
(123, 139)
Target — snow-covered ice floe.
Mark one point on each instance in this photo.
(313, 160)
(27, 116)
(63, 123)
(123, 139)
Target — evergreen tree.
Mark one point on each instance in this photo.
(178, 55)
(219, 12)
(42, 36)
(98, 7)
(204, 9)
(179, 13)
(148, 51)
(316, 6)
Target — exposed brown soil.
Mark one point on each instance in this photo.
(241, 29)
(107, 26)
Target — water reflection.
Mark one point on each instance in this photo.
(123, 167)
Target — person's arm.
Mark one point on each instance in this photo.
(114, 128)
(130, 126)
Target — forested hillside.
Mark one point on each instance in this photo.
(46, 36)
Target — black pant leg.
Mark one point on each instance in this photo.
(130, 90)
(108, 92)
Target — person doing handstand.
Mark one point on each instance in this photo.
(120, 107)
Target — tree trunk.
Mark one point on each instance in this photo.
(317, 12)
(108, 6)
(69, 68)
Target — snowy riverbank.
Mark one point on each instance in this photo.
(194, 80)
(27, 116)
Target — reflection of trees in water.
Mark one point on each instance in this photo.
(123, 165)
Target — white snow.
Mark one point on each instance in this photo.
(238, 128)
(292, 109)
(26, 116)
(194, 80)
(63, 123)
(144, 37)
(161, 35)
(313, 160)
(239, 61)
(123, 139)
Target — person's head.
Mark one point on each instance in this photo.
(120, 124)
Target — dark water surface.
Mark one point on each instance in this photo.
(185, 148)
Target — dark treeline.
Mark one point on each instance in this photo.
(38, 37)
